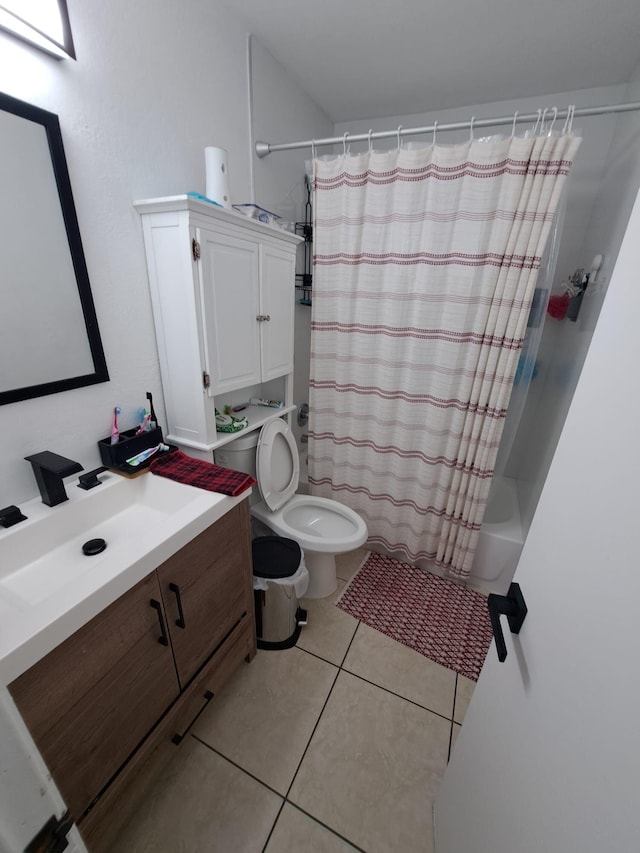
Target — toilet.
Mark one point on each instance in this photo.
(322, 527)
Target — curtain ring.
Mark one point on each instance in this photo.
(473, 118)
(370, 132)
(544, 118)
(568, 122)
(435, 130)
(344, 144)
(398, 134)
(513, 126)
(553, 120)
(537, 125)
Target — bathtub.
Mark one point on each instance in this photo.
(500, 541)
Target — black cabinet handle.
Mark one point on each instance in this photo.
(177, 738)
(162, 639)
(176, 590)
(511, 605)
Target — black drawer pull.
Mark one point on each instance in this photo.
(162, 639)
(177, 739)
(176, 590)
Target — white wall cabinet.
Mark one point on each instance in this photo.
(222, 289)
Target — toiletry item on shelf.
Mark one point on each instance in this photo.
(136, 460)
(239, 408)
(229, 423)
(115, 432)
(201, 197)
(252, 211)
(557, 307)
(272, 404)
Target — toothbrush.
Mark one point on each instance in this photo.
(145, 424)
(115, 433)
(154, 419)
(139, 458)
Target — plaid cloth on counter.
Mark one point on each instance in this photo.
(203, 475)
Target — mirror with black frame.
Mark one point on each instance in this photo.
(49, 336)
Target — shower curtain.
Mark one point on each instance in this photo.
(425, 263)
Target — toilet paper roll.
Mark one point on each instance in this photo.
(217, 175)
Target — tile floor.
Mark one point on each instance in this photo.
(337, 744)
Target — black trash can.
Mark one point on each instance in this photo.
(280, 578)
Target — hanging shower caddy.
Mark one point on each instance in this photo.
(305, 229)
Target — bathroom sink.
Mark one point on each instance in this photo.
(46, 554)
(49, 587)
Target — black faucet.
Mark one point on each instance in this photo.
(49, 470)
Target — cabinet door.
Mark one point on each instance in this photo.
(206, 589)
(229, 281)
(277, 295)
(91, 701)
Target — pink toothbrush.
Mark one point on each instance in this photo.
(145, 422)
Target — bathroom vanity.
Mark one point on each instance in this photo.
(223, 294)
(129, 682)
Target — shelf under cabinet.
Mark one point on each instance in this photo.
(257, 417)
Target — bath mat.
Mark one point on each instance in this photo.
(443, 621)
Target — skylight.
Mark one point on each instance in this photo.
(43, 23)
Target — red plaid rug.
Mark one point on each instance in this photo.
(203, 475)
(443, 621)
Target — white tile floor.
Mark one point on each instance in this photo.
(338, 744)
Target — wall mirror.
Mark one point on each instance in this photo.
(49, 336)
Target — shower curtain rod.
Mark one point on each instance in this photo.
(264, 148)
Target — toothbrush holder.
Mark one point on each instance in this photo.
(129, 444)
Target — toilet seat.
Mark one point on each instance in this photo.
(350, 533)
(322, 527)
(277, 464)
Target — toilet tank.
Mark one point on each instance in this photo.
(239, 454)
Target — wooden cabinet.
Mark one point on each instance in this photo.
(223, 295)
(94, 703)
(90, 702)
(204, 588)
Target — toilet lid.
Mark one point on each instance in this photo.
(277, 464)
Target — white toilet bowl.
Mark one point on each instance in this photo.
(322, 527)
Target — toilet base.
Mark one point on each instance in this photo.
(322, 574)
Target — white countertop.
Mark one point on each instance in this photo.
(49, 589)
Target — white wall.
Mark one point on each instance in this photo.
(283, 112)
(154, 83)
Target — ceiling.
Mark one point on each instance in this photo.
(360, 59)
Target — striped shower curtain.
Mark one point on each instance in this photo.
(425, 263)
